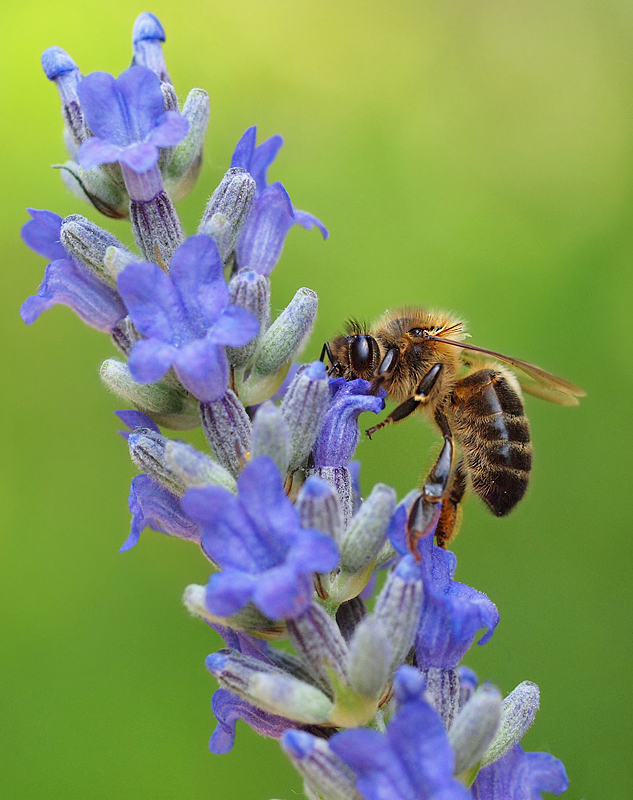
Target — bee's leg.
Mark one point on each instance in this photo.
(425, 510)
(335, 366)
(421, 396)
(451, 513)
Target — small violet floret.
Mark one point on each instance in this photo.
(186, 318)
(413, 760)
(452, 612)
(521, 776)
(262, 239)
(127, 118)
(257, 539)
(65, 281)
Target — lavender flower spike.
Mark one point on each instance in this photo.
(256, 537)
(186, 318)
(128, 119)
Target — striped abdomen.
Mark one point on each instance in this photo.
(486, 415)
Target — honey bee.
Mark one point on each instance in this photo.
(422, 361)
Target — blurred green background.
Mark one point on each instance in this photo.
(469, 156)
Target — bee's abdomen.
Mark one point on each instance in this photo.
(489, 424)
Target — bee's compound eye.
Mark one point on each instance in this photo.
(418, 332)
(363, 351)
(389, 361)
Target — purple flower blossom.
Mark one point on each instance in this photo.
(261, 242)
(65, 281)
(155, 507)
(521, 776)
(186, 318)
(256, 537)
(127, 118)
(339, 434)
(452, 612)
(135, 419)
(413, 760)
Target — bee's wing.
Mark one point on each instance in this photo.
(534, 380)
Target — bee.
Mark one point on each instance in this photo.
(421, 360)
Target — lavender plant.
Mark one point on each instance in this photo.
(369, 704)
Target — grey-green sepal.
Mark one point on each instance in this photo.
(398, 608)
(248, 619)
(303, 407)
(165, 404)
(250, 290)
(517, 715)
(340, 478)
(147, 451)
(318, 642)
(184, 168)
(170, 102)
(442, 692)
(156, 227)
(327, 776)
(88, 244)
(271, 436)
(367, 529)
(228, 210)
(287, 335)
(194, 468)
(228, 430)
(370, 657)
(475, 727)
(97, 188)
(269, 687)
(319, 507)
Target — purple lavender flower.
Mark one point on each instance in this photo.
(339, 434)
(262, 239)
(135, 419)
(521, 776)
(65, 281)
(257, 539)
(155, 507)
(186, 318)
(452, 612)
(127, 118)
(413, 760)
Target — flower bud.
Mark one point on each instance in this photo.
(475, 727)
(269, 688)
(398, 607)
(163, 403)
(251, 291)
(228, 210)
(147, 450)
(147, 38)
(319, 507)
(517, 714)
(228, 430)
(60, 68)
(318, 642)
(340, 479)
(194, 468)
(88, 243)
(370, 657)
(367, 530)
(97, 188)
(186, 160)
(329, 776)
(287, 334)
(248, 619)
(303, 408)
(271, 436)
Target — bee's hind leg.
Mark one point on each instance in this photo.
(451, 513)
(421, 396)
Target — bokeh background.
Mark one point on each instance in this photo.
(470, 156)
